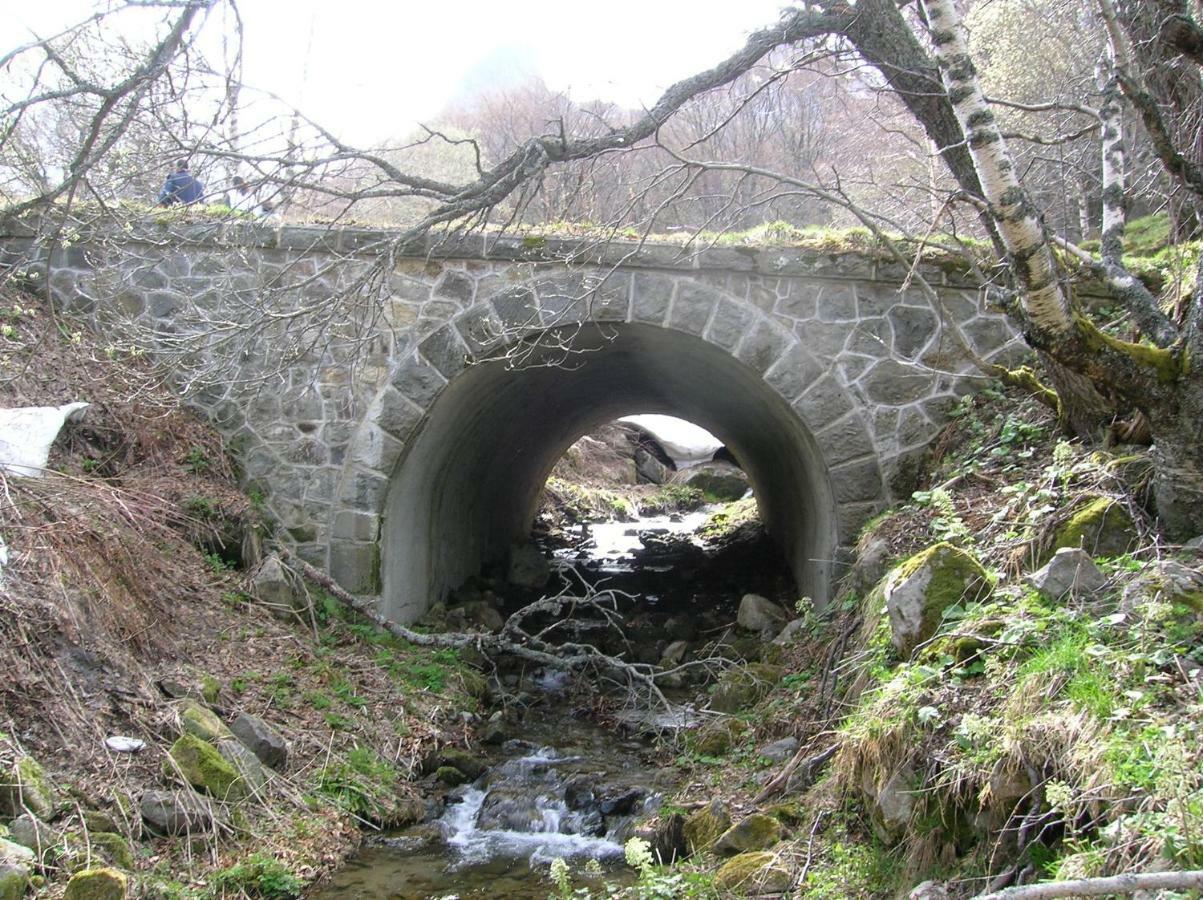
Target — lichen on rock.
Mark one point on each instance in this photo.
(754, 832)
(1101, 527)
(759, 872)
(919, 590)
(97, 884)
(203, 767)
(705, 826)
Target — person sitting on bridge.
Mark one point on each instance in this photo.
(181, 187)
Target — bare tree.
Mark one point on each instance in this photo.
(744, 139)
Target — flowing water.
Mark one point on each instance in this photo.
(579, 800)
(568, 788)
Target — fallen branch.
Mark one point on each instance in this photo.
(1097, 887)
(806, 768)
(512, 640)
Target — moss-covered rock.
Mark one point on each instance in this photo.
(705, 826)
(450, 776)
(743, 686)
(199, 763)
(756, 832)
(94, 820)
(26, 788)
(113, 848)
(1101, 527)
(753, 873)
(469, 765)
(198, 720)
(97, 884)
(919, 590)
(718, 737)
(13, 881)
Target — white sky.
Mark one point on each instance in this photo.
(370, 69)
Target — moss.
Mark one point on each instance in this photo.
(1164, 362)
(755, 832)
(13, 882)
(744, 686)
(450, 776)
(202, 722)
(202, 766)
(1102, 527)
(955, 577)
(113, 847)
(97, 884)
(462, 761)
(27, 787)
(753, 873)
(717, 738)
(705, 826)
(210, 688)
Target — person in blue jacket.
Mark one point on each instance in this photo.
(181, 186)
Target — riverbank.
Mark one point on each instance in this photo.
(133, 639)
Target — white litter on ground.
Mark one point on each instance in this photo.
(26, 434)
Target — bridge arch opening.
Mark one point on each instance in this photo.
(468, 485)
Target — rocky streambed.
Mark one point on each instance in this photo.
(568, 789)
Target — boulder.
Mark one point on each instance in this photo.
(759, 614)
(929, 890)
(450, 776)
(1166, 581)
(1102, 527)
(720, 482)
(472, 767)
(780, 751)
(262, 740)
(99, 821)
(704, 826)
(202, 766)
(743, 686)
(579, 792)
(199, 721)
(892, 801)
(97, 884)
(13, 881)
(274, 589)
(480, 614)
(753, 873)
(31, 832)
(509, 809)
(528, 567)
(1071, 572)
(793, 630)
(674, 654)
(113, 848)
(14, 854)
(175, 812)
(26, 788)
(717, 737)
(918, 591)
(755, 832)
(648, 469)
(245, 763)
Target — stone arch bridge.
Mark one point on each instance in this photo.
(405, 464)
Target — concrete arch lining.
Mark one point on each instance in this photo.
(468, 483)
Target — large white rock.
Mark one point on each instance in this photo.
(26, 434)
(759, 614)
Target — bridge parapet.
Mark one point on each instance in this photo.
(335, 346)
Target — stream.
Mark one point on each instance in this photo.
(579, 799)
(564, 786)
